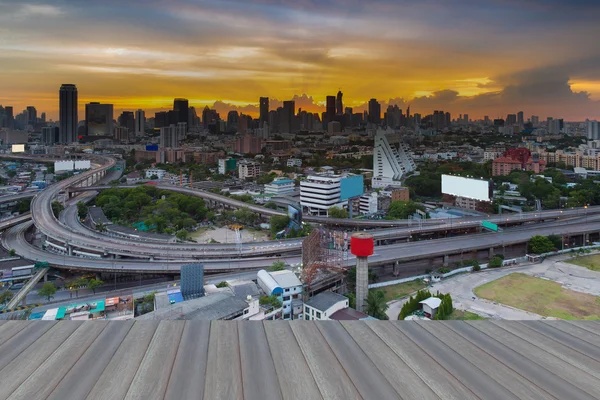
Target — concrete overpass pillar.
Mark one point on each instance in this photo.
(46, 277)
(586, 238)
(446, 260)
(396, 270)
(70, 249)
(491, 252)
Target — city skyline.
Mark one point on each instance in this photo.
(497, 59)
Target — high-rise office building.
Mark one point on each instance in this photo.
(31, 115)
(520, 120)
(50, 135)
(287, 116)
(180, 107)
(374, 111)
(140, 123)
(161, 119)
(193, 119)
(535, 120)
(99, 120)
(10, 119)
(127, 120)
(465, 119)
(511, 119)
(264, 111)
(43, 118)
(329, 108)
(339, 103)
(68, 117)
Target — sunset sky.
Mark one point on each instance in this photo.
(481, 57)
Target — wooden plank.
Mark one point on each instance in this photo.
(259, 378)
(556, 348)
(483, 385)
(331, 378)
(521, 387)
(399, 375)
(7, 331)
(590, 341)
(223, 375)
(189, 369)
(152, 376)
(82, 377)
(437, 378)
(18, 343)
(118, 374)
(560, 379)
(367, 379)
(41, 383)
(15, 373)
(589, 326)
(294, 376)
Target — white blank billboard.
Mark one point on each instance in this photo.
(63, 166)
(82, 164)
(470, 188)
(18, 148)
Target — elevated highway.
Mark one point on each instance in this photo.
(10, 198)
(384, 255)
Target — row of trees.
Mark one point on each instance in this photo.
(412, 304)
(403, 209)
(445, 309)
(158, 209)
(48, 289)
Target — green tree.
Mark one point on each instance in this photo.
(556, 241)
(24, 205)
(403, 209)
(278, 223)
(12, 252)
(277, 266)
(271, 205)
(269, 301)
(82, 209)
(337, 212)
(182, 235)
(94, 284)
(540, 245)
(222, 284)
(376, 304)
(48, 290)
(495, 262)
(100, 227)
(57, 208)
(5, 297)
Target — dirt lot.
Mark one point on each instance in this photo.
(540, 296)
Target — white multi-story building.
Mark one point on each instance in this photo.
(150, 172)
(294, 162)
(318, 193)
(369, 203)
(280, 187)
(323, 305)
(287, 287)
(248, 169)
(390, 163)
(168, 137)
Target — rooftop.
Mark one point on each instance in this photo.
(432, 302)
(324, 300)
(253, 360)
(349, 314)
(286, 279)
(213, 307)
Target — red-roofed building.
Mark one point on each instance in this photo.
(517, 159)
(504, 166)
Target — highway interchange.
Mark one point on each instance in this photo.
(109, 254)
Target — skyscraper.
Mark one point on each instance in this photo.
(264, 111)
(68, 113)
(339, 104)
(511, 119)
(288, 113)
(592, 130)
(140, 122)
(374, 111)
(329, 108)
(127, 120)
(161, 119)
(169, 136)
(180, 106)
(99, 119)
(10, 119)
(31, 116)
(520, 118)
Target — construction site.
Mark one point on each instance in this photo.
(324, 258)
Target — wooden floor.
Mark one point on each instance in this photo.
(300, 360)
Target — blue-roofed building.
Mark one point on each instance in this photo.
(280, 187)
